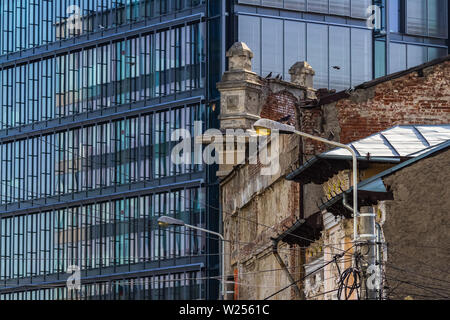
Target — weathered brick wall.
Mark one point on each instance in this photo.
(416, 230)
(280, 105)
(255, 200)
(410, 99)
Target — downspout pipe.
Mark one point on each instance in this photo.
(284, 267)
(344, 202)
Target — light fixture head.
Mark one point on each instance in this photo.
(264, 127)
(165, 221)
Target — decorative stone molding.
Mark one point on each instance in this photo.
(240, 90)
(239, 57)
(302, 74)
(314, 284)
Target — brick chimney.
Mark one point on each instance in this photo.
(240, 90)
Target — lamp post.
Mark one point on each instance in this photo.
(166, 221)
(264, 127)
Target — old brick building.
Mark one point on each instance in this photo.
(404, 184)
(273, 226)
(419, 95)
(255, 205)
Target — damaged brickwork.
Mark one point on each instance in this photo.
(417, 96)
(257, 208)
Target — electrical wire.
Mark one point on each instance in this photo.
(208, 205)
(312, 272)
(420, 262)
(205, 204)
(147, 281)
(353, 273)
(422, 286)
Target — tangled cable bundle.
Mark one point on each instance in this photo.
(353, 273)
(343, 286)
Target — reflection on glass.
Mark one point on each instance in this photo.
(317, 53)
(272, 46)
(124, 72)
(113, 233)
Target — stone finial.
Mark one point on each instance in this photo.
(302, 74)
(240, 57)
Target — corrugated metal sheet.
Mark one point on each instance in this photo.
(399, 141)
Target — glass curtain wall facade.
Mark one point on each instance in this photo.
(417, 32)
(324, 33)
(90, 93)
(32, 23)
(334, 33)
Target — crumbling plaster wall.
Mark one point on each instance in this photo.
(416, 229)
(257, 207)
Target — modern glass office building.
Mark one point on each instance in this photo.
(335, 33)
(90, 93)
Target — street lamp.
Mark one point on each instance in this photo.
(264, 127)
(166, 221)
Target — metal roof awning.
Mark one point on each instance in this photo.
(372, 190)
(304, 231)
(393, 145)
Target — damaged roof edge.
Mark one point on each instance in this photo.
(386, 146)
(304, 231)
(316, 160)
(373, 183)
(368, 84)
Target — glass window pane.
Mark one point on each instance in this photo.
(361, 43)
(273, 3)
(250, 33)
(294, 44)
(416, 16)
(250, 1)
(272, 46)
(339, 58)
(397, 57)
(380, 58)
(318, 6)
(416, 55)
(317, 53)
(394, 15)
(359, 8)
(295, 4)
(340, 7)
(434, 53)
(437, 18)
